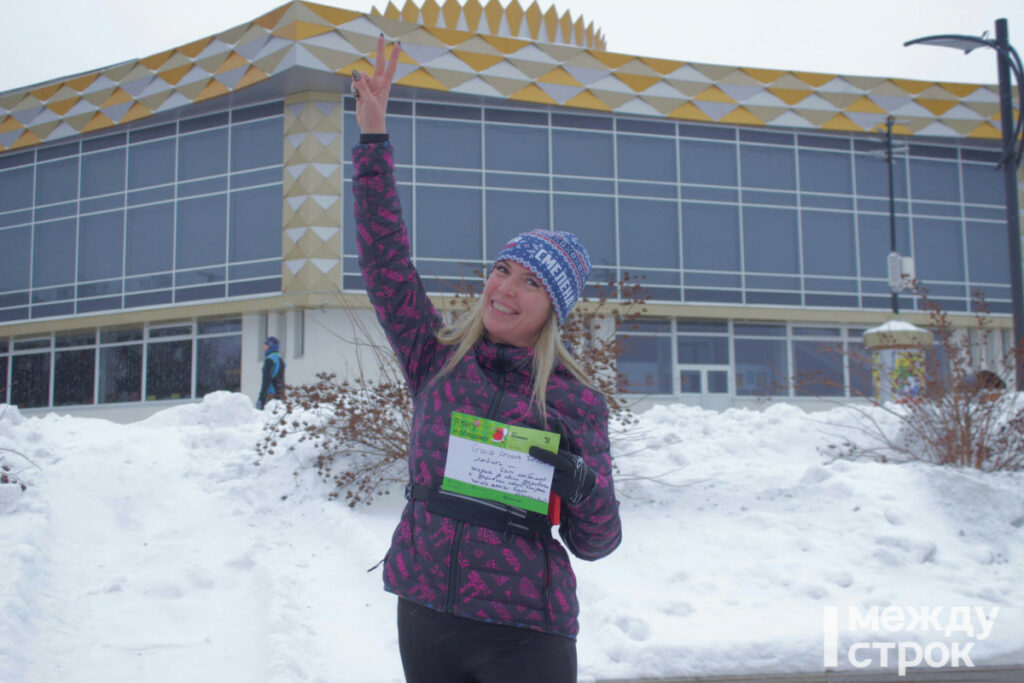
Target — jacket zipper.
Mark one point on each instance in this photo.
(453, 558)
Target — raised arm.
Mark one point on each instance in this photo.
(396, 292)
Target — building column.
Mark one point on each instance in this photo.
(311, 215)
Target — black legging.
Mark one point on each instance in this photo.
(442, 648)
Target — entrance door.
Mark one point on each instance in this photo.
(710, 382)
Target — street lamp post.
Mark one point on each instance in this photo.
(889, 120)
(1013, 144)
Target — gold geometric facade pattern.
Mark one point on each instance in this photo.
(512, 21)
(311, 212)
(473, 59)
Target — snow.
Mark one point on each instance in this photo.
(891, 326)
(159, 551)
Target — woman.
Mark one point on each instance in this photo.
(485, 591)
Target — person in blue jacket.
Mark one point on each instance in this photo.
(273, 373)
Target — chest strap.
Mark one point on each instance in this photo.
(485, 513)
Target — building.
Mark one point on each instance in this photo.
(159, 217)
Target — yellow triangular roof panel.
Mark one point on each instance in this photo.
(813, 79)
(714, 94)
(764, 75)
(587, 100)
(477, 60)
(987, 131)
(742, 117)
(865, 106)
(420, 78)
(637, 83)
(689, 112)
(842, 122)
(532, 93)
(559, 76)
(333, 15)
(937, 107)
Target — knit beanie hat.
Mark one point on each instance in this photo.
(558, 259)
(272, 344)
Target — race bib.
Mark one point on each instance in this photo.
(491, 460)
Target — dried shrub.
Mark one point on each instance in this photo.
(957, 414)
(359, 428)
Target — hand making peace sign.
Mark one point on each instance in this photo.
(371, 92)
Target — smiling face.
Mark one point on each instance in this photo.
(515, 305)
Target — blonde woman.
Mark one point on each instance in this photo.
(486, 593)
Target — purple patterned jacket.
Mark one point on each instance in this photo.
(448, 564)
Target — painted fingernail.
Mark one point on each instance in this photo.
(356, 75)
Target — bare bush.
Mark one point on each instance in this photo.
(359, 428)
(957, 414)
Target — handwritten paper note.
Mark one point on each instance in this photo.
(491, 460)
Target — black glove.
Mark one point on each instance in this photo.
(573, 479)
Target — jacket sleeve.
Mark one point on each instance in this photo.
(395, 289)
(268, 371)
(592, 529)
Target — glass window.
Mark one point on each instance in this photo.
(689, 382)
(255, 224)
(761, 367)
(57, 181)
(582, 153)
(592, 219)
(829, 243)
(938, 180)
(14, 245)
(938, 249)
(986, 252)
(103, 173)
(517, 148)
(873, 176)
(30, 380)
(169, 370)
(875, 241)
(718, 381)
(257, 144)
(201, 231)
(16, 188)
(825, 172)
(648, 233)
(510, 213)
(818, 368)
(646, 365)
(707, 163)
(704, 350)
(150, 239)
(448, 222)
(983, 185)
(711, 237)
(646, 158)
(218, 364)
(448, 143)
(3, 379)
(203, 154)
(101, 243)
(769, 167)
(120, 373)
(217, 325)
(770, 242)
(861, 365)
(151, 163)
(53, 253)
(73, 376)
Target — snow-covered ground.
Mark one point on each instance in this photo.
(158, 551)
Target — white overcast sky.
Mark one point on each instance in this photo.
(45, 39)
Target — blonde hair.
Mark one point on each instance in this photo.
(548, 351)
